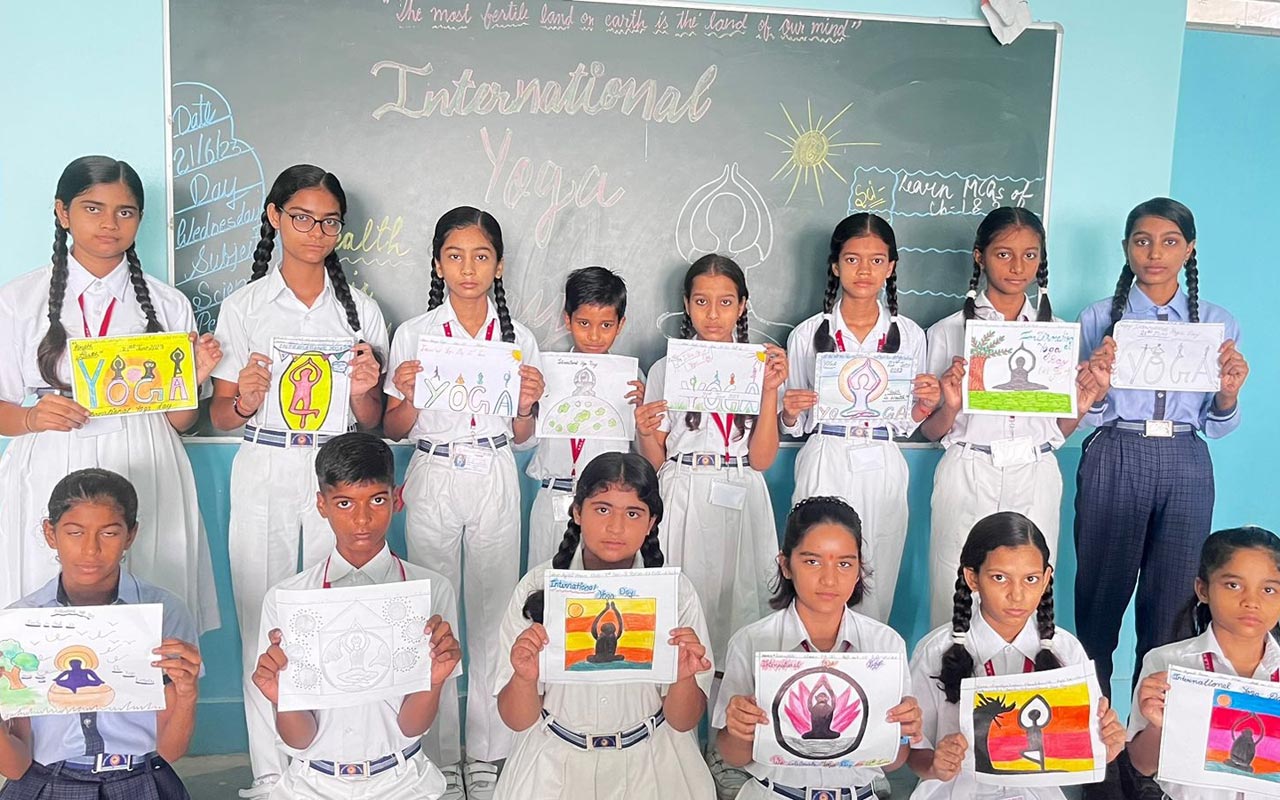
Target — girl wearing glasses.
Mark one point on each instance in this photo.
(273, 482)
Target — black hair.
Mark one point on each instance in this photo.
(355, 457)
(468, 217)
(1178, 214)
(94, 485)
(77, 178)
(1002, 529)
(849, 228)
(595, 286)
(804, 516)
(605, 471)
(1216, 551)
(715, 264)
(288, 183)
(992, 226)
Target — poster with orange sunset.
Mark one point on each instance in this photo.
(610, 626)
(1034, 729)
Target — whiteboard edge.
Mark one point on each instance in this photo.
(170, 257)
(809, 12)
(1053, 120)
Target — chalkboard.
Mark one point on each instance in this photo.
(633, 136)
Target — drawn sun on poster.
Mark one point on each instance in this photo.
(809, 151)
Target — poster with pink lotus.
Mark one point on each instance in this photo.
(828, 709)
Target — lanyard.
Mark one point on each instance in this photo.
(1027, 666)
(106, 318)
(327, 585)
(488, 336)
(1207, 658)
(841, 348)
(575, 450)
(725, 423)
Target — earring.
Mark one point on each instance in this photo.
(57, 558)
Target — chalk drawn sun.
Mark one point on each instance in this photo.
(809, 151)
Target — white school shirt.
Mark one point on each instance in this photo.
(24, 318)
(553, 458)
(260, 311)
(784, 631)
(946, 341)
(802, 358)
(370, 731)
(1190, 653)
(446, 426)
(707, 438)
(941, 719)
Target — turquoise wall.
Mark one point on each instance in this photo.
(81, 77)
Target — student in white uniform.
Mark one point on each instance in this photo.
(372, 750)
(273, 482)
(92, 521)
(1234, 612)
(993, 463)
(859, 461)
(462, 491)
(819, 581)
(95, 287)
(604, 741)
(595, 311)
(1007, 629)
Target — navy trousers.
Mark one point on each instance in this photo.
(1144, 507)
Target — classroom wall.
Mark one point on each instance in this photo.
(79, 77)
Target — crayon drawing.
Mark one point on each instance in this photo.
(864, 389)
(142, 374)
(586, 397)
(1021, 368)
(1244, 736)
(714, 376)
(1173, 356)
(468, 377)
(310, 384)
(609, 634)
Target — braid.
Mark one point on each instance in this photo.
(1193, 287)
(338, 279)
(970, 303)
(141, 291)
(1044, 312)
(49, 353)
(262, 253)
(893, 339)
(535, 603)
(1121, 297)
(692, 419)
(504, 316)
(740, 331)
(437, 291)
(1045, 659)
(651, 550)
(957, 662)
(822, 341)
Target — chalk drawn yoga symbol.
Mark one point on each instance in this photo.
(826, 708)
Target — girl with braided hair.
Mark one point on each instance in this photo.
(95, 287)
(273, 481)
(859, 460)
(1007, 629)
(652, 728)
(462, 491)
(1144, 503)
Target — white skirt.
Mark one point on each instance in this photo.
(170, 551)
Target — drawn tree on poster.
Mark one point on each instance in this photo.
(988, 346)
(986, 709)
(13, 660)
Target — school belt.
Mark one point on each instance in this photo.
(285, 438)
(982, 448)
(605, 741)
(710, 460)
(812, 793)
(559, 484)
(442, 448)
(1142, 428)
(127, 763)
(365, 769)
(881, 434)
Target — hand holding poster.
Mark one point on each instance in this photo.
(828, 709)
(586, 397)
(310, 384)
(856, 388)
(610, 626)
(142, 374)
(1025, 369)
(719, 377)
(468, 376)
(1171, 356)
(1034, 729)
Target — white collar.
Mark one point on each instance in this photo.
(276, 286)
(1027, 314)
(986, 644)
(838, 325)
(795, 635)
(79, 279)
(576, 563)
(379, 566)
(1207, 644)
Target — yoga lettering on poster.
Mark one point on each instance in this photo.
(717, 377)
(142, 374)
(1171, 356)
(468, 377)
(864, 389)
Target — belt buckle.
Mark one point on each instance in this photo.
(112, 762)
(861, 432)
(821, 794)
(300, 439)
(608, 741)
(706, 461)
(1158, 429)
(357, 770)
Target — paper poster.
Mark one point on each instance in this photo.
(1172, 356)
(1228, 732)
(828, 709)
(1035, 728)
(718, 377)
(71, 659)
(468, 377)
(859, 388)
(354, 645)
(1024, 369)
(610, 626)
(142, 374)
(310, 384)
(586, 397)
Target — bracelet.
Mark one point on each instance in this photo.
(235, 406)
(26, 419)
(524, 416)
